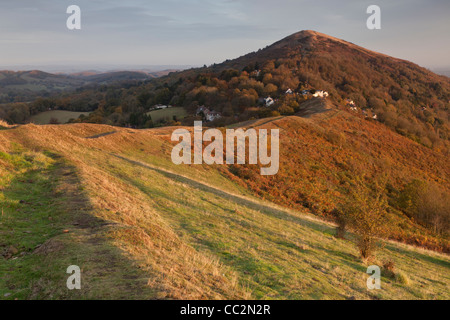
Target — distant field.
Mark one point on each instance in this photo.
(61, 115)
(167, 114)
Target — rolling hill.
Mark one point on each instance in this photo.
(409, 99)
(28, 85)
(34, 81)
(110, 200)
(107, 194)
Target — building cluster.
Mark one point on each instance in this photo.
(352, 106)
(208, 115)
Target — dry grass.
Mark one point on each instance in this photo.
(195, 235)
(4, 124)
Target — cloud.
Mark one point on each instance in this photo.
(207, 31)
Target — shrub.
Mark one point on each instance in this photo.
(365, 213)
(389, 268)
(336, 138)
(402, 278)
(54, 120)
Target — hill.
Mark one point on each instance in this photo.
(409, 99)
(32, 83)
(28, 85)
(183, 232)
(117, 76)
(109, 194)
(325, 150)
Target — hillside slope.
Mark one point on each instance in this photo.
(324, 150)
(407, 98)
(109, 200)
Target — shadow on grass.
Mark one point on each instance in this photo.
(101, 135)
(50, 224)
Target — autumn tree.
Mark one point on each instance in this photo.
(364, 211)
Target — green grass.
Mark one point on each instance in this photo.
(35, 247)
(167, 114)
(276, 253)
(61, 115)
(141, 227)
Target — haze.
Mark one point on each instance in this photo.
(139, 33)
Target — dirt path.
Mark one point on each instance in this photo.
(264, 207)
(101, 135)
(63, 230)
(258, 205)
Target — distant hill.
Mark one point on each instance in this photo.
(116, 76)
(26, 85)
(442, 71)
(34, 81)
(404, 96)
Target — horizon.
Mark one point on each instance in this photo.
(153, 34)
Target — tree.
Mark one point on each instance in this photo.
(364, 211)
(427, 203)
(341, 222)
(285, 109)
(270, 89)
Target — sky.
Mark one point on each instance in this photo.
(117, 33)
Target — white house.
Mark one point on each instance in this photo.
(212, 115)
(350, 102)
(256, 73)
(289, 91)
(159, 106)
(269, 101)
(321, 94)
(208, 114)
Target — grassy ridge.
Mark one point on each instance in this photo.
(140, 227)
(44, 229)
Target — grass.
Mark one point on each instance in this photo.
(276, 254)
(44, 229)
(61, 115)
(141, 227)
(168, 114)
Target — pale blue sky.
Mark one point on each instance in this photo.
(197, 32)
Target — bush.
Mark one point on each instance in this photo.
(54, 120)
(402, 278)
(365, 213)
(389, 268)
(336, 138)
